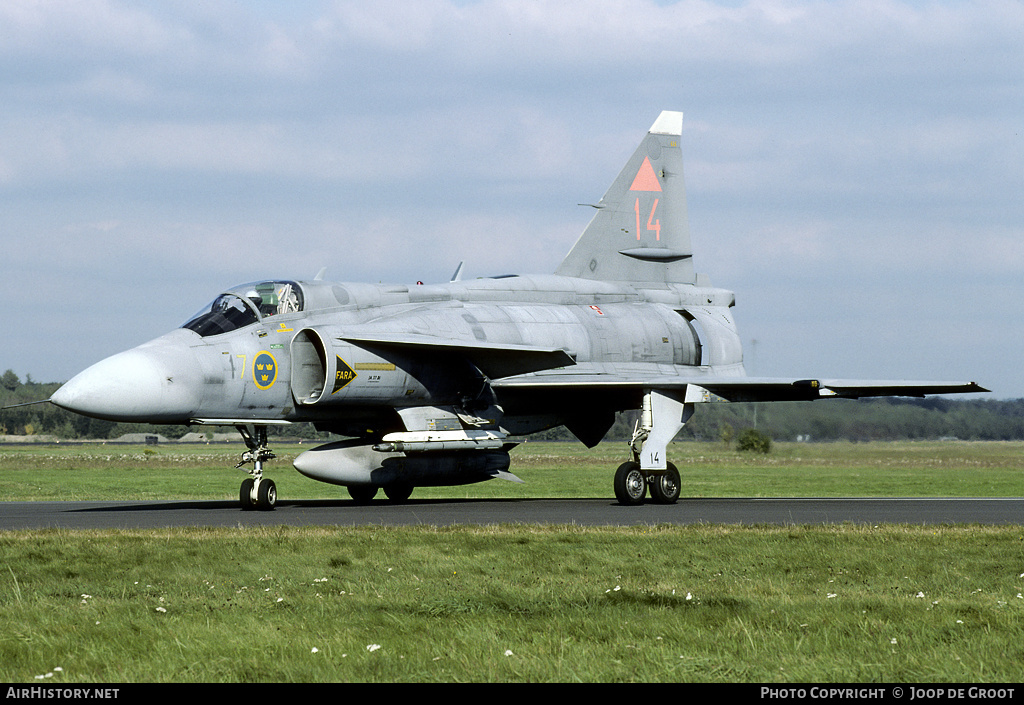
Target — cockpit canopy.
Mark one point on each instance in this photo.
(244, 305)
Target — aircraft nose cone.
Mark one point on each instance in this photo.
(146, 384)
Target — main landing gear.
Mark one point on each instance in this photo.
(632, 483)
(662, 415)
(256, 492)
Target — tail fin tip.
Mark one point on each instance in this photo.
(668, 123)
(640, 233)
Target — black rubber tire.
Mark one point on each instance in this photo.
(266, 495)
(630, 484)
(665, 486)
(398, 492)
(245, 494)
(362, 494)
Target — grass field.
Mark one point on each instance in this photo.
(171, 471)
(519, 603)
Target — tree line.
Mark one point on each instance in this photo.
(861, 420)
(884, 419)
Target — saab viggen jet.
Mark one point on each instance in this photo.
(431, 384)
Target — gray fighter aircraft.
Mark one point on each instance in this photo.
(432, 383)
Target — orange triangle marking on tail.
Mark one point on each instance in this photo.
(645, 180)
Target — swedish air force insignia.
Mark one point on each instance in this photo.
(343, 374)
(264, 370)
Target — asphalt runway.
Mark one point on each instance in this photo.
(580, 512)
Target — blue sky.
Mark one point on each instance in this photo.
(854, 169)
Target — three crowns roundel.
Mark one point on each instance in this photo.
(264, 370)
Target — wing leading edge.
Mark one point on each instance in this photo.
(495, 361)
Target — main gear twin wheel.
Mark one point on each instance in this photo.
(632, 483)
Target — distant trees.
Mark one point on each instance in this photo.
(885, 419)
(42, 419)
(10, 381)
(881, 419)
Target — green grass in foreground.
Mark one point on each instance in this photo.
(519, 603)
(499, 603)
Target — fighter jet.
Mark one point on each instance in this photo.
(434, 384)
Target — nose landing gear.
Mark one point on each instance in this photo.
(256, 492)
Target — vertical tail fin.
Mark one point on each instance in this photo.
(641, 231)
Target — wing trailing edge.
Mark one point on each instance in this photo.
(744, 389)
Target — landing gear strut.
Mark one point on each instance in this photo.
(662, 415)
(256, 491)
